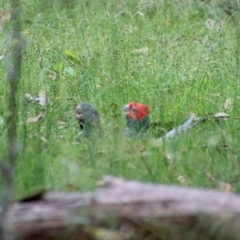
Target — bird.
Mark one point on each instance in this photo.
(88, 118)
(138, 120)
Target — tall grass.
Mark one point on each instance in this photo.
(157, 52)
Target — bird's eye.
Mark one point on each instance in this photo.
(134, 110)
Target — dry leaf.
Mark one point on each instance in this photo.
(210, 177)
(36, 119)
(41, 99)
(221, 116)
(43, 139)
(52, 75)
(182, 180)
(29, 97)
(228, 105)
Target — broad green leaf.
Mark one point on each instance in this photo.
(58, 67)
(72, 56)
(69, 70)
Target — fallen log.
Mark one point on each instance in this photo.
(128, 210)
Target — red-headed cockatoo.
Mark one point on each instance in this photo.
(137, 115)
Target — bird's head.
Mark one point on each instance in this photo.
(136, 111)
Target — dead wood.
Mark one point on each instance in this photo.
(128, 210)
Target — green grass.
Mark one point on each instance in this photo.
(155, 52)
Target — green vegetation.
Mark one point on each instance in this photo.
(161, 53)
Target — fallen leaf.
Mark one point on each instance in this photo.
(36, 119)
(52, 75)
(228, 105)
(41, 99)
(69, 70)
(43, 139)
(210, 177)
(221, 116)
(29, 97)
(182, 180)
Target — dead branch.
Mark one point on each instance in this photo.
(128, 210)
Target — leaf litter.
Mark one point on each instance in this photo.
(43, 101)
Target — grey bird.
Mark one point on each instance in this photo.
(88, 118)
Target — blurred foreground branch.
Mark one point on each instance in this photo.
(128, 210)
(13, 66)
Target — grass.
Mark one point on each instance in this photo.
(109, 53)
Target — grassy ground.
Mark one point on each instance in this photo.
(108, 53)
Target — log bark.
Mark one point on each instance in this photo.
(128, 210)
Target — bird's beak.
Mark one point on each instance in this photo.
(79, 116)
(126, 109)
